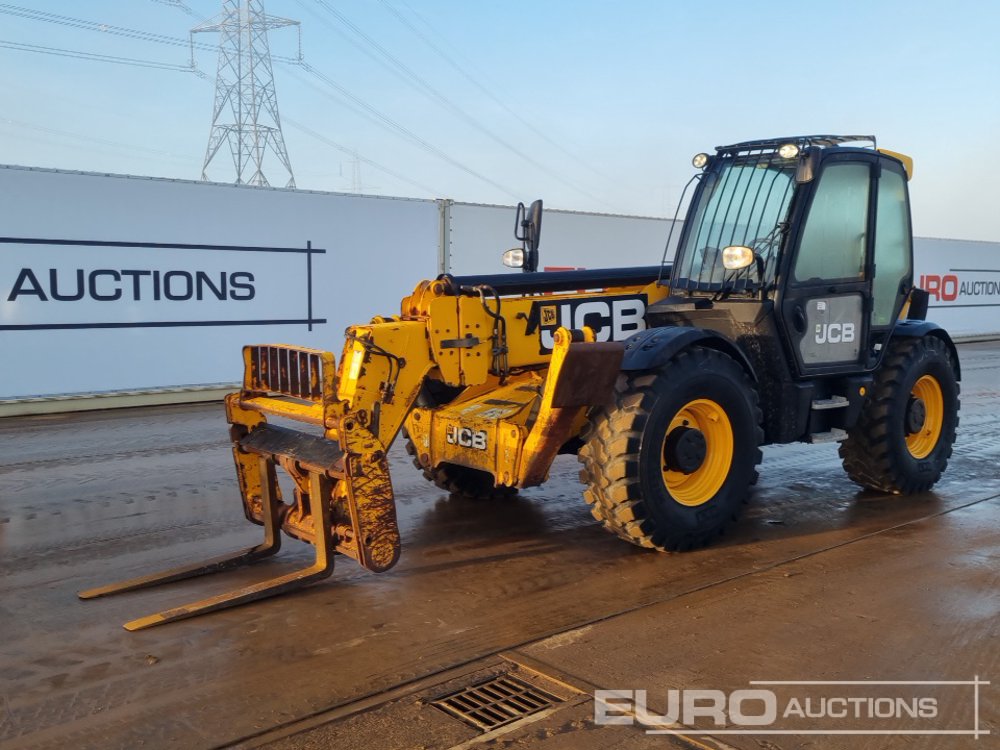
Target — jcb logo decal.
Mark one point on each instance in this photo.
(834, 333)
(612, 318)
(466, 437)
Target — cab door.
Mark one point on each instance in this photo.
(826, 304)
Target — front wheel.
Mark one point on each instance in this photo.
(670, 464)
(903, 439)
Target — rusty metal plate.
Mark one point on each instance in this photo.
(312, 451)
(588, 375)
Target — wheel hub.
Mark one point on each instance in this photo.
(916, 415)
(684, 450)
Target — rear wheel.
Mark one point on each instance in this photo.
(903, 439)
(670, 464)
(460, 480)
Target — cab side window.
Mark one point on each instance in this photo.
(834, 237)
(892, 245)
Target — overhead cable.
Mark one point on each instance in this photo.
(387, 122)
(384, 57)
(463, 70)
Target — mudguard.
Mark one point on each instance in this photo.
(653, 347)
(920, 328)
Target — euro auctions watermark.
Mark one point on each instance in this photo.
(802, 707)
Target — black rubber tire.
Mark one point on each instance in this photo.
(875, 453)
(622, 444)
(460, 480)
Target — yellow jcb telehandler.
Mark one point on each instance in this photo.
(788, 314)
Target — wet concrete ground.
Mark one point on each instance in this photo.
(818, 582)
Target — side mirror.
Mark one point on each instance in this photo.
(527, 229)
(808, 166)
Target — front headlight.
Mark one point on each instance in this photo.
(514, 258)
(788, 151)
(735, 257)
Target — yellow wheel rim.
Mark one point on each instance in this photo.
(922, 442)
(700, 486)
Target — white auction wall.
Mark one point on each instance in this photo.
(139, 323)
(962, 276)
(111, 283)
(479, 234)
(963, 280)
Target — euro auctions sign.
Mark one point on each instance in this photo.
(962, 278)
(962, 287)
(945, 709)
(53, 284)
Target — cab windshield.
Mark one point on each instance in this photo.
(741, 200)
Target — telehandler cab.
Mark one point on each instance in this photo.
(788, 314)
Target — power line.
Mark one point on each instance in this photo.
(79, 23)
(82, 55)
(104, 28)
(360, 105)
(354, 154)
(385, 121)
(91, 139)
(463, 70)
(179, 4)
(355, 102)
(400, 68)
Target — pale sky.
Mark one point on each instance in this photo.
(611, 98)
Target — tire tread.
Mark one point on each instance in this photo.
(868, 456)
(610, 454)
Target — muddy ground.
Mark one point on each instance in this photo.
(818, 582)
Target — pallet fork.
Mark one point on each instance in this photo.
(272, 511)
(343, 498)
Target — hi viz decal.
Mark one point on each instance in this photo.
(612, 318)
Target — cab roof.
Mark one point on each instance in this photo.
(802, 141)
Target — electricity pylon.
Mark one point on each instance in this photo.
(245, 115)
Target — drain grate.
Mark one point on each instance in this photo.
(499, 701)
